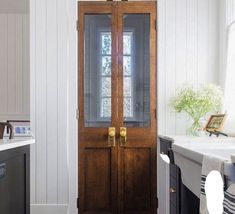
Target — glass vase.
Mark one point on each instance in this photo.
(194, 128)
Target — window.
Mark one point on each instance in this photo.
(127, 74)
(230, 73)
(106, 52)
(106, 58)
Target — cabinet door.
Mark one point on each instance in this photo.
(117, 85)
(97, 108)
(14, 181)
(137, 105)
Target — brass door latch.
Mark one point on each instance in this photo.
(123, 136)
(111, 136)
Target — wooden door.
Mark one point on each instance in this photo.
(137, 156)
(117, 90)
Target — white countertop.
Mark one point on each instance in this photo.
(195, 147)
(6, 144)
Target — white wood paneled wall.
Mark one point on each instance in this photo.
(14, 67)
(49, 74)
(188, 52)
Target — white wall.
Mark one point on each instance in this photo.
(14, 67)
(188, 51)
(49, 104)
(14, 6)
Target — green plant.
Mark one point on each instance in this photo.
(197, 103)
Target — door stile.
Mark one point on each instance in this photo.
(115, 106)
(120, 104)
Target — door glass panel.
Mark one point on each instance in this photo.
(136, 70)
(98, 70)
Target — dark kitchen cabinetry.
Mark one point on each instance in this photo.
(14, 181)
(182, 200)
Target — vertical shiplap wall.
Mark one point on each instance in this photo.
(49, 94)
(14, 67)
(188, 52)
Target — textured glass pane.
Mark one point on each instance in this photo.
(96, 65)
(136, 70)
(106, 86)
(127, 87)
(106, 107)
(127, 65)
(126, 44)
(106, 65)
(106, 43)
(128, 107)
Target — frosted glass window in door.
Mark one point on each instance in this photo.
(136, 70)
(98, 70)
(106, 42)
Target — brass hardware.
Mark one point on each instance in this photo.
(123, 137)
(111, 136)
(172, 190)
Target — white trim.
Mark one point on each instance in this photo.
(72, 106)
(49, 208)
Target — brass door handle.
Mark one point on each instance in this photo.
(123, 136)
(111, 136)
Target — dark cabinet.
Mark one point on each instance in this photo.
(182, 200)
(174, 203)
(14, 181)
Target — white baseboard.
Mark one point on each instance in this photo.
(49, 208)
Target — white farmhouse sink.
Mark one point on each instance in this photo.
(189, 152)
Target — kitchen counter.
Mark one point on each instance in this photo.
(189, 151)
(6, 144)
(196, 147)
(15, 175)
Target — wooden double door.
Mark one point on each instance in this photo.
(117, 107)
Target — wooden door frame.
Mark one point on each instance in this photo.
(91, 8)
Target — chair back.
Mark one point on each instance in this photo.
(4, 125)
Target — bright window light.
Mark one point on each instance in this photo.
(106, 74)
(230, 73)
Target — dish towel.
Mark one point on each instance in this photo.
(229, 200)
(208, 164)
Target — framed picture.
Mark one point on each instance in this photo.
(215, 122)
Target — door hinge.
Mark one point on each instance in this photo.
(157, 203)
(77, 114)
(77, 25)
(155, 24)
(155, 113)
(78, 203)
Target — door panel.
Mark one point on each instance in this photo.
(117, 85)
(137, 171)
(98, 186)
